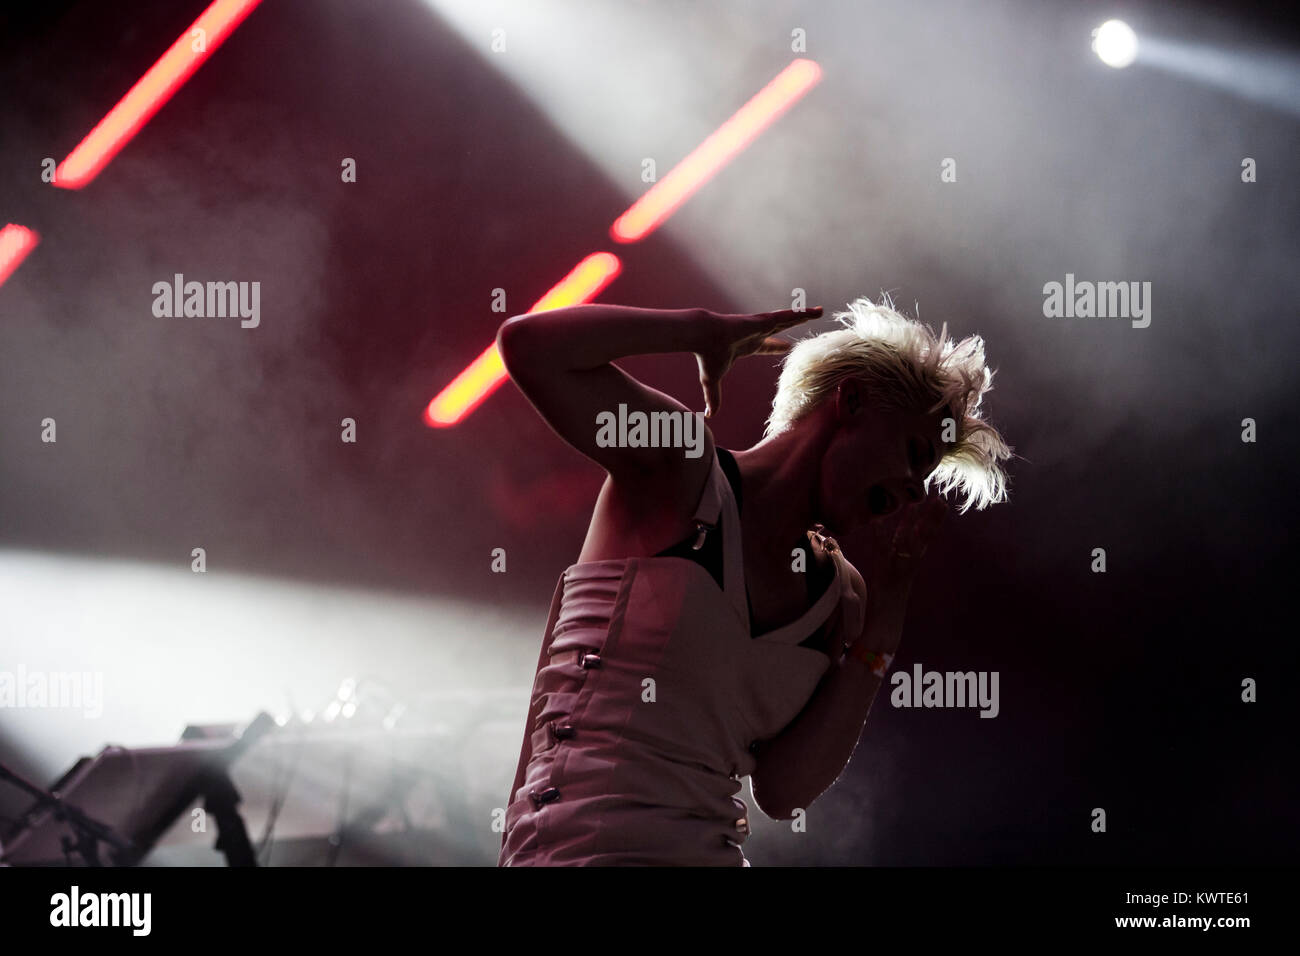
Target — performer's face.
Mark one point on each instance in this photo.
(877, 460)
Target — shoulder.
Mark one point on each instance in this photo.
(650, 510)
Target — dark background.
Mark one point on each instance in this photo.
(1119, 690)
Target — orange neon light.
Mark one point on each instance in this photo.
(150, 92)
(15, 243)
(487, 372)
(663, 198)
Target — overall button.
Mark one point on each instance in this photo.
(562, 731)
(742, 825)
(589, 661)
(549, 795)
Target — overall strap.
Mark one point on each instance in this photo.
(710, 506)
(802, 627)
(733, 558)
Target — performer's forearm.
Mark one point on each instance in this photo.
(810, 754)
(588, 336)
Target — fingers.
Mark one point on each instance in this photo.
(709, 385)
(779, 321)
(801, 315)
(773, 346)
(930, 516)
(917, 529)
(900, 543)
(933, 511)
(743, 344)
(712, 396)
(785, 318)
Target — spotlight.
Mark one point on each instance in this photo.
(1115, 43)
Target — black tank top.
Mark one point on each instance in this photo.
(710, 555)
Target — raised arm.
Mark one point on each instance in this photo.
(562, 360)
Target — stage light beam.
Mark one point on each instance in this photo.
(1115, 44)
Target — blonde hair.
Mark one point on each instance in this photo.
(905, 366)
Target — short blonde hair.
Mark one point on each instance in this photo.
(905, 366)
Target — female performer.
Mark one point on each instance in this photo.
(712, 628)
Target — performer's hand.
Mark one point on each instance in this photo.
(734, 336)
(895, 547)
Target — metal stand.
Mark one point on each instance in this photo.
(89, 831)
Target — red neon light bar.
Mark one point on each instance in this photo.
(149, 94)
(15, 244)
(487, 372)
(663, 198)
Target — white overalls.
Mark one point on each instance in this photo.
(649, 697)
